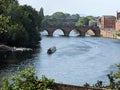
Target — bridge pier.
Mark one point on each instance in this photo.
(82, 34)
(66, 34)
(50, 33)
(96, 31)
(66, 30)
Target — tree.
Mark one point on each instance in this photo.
(99, 84)
(31, 21)
(57, 15)
(67, 16)
(41, 13)
(4, 5)
(75, 16)
(117, 74)
(114, 79)
(26, 80)
(83, 21)
(92, 23)
(19, 24)
(59, 19)
(117, 77)
(4, 25)
(17, 36)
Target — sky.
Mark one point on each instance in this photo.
(81, 7)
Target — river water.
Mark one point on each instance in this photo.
(76, 61)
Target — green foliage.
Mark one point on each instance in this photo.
(117, 77)
(118, 33)
(46, 83)
(58, 19)
(4, 23)
(17, 35)
(99, 84)
(86, 85)
(75, 16)
(93, 23)
(41, 13)
(114, 79)
(26, 80)
(19, 25)
(58, 15)
(84, 21)
(4, 5)
(117, 74)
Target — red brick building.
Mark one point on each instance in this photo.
(108, 22)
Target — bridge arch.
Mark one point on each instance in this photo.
(44, 32)
(49, 30)
(96, 30)
(60, 31)
(66, 30)
(74, 32)
(83, 30)
(90, 32)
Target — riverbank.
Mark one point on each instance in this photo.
(13, 49)
(106, 34)
(109, 34)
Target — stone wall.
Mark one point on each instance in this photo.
(59, 86)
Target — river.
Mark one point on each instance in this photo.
(76, 61)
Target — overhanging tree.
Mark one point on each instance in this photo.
(21, 22)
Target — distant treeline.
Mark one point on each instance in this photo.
(64, 19)
(19, 25)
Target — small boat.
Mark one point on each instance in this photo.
(51, 50)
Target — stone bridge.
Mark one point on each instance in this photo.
(67, 29)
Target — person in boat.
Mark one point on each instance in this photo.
(51, 50)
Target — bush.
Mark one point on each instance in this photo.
(26, 80)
